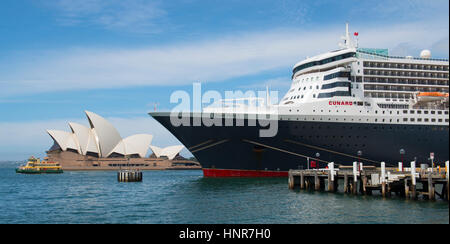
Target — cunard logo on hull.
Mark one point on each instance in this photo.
(341, 103)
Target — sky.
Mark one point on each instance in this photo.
(118, 58)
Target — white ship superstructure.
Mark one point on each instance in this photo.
(367, 85)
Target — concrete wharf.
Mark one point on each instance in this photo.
(359, 179)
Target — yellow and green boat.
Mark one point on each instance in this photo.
(35, 166)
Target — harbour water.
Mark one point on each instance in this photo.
(185, 197)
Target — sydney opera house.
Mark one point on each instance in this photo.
(101, 147)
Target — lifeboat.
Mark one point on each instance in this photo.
(431, 96)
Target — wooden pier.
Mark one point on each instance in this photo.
(129, 176)
(359, 179)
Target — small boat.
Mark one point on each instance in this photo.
(35, 166)
(431, 96)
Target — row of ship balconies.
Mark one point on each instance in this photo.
(405, 88)
(420, 74)
(405, 66)
(425, 82)
(389, 95)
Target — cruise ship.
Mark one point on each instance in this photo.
(351, 104)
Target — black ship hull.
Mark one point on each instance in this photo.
(239, 151)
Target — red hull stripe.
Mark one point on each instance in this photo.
(242, 173)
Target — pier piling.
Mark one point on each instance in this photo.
(130, 176)
(406, 188)
(431, 195)
(302, 181)
(316, 182)
(346, 183)
(413, 180)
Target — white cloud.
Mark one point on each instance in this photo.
(130, 15)
(273, 82)
(206, 61)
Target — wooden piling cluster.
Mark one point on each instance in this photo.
(129, 176)
(359, 179)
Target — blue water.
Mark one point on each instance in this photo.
(185, 197)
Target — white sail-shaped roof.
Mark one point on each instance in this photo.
(85, 137)
(172, 151)
(137, 144)
(156, 150)
(169, 152)
(102, 138)
(65, 140)
(108, 136)
(120, 148)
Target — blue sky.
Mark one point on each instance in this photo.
(117, 58)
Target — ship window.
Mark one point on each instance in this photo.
(333, 94)
(411, 111)
(419, 120)
(433, 112)
(433, 120)
(335, 84)
(337, 75)
(324, 61)
(425, 112)
(412, 119)
(405, 119)
(426, 120)
(419, 112)
(439, 120)
(405, 111)
(439, 112)
(446, 112)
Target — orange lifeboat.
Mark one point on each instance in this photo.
(431, 96)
